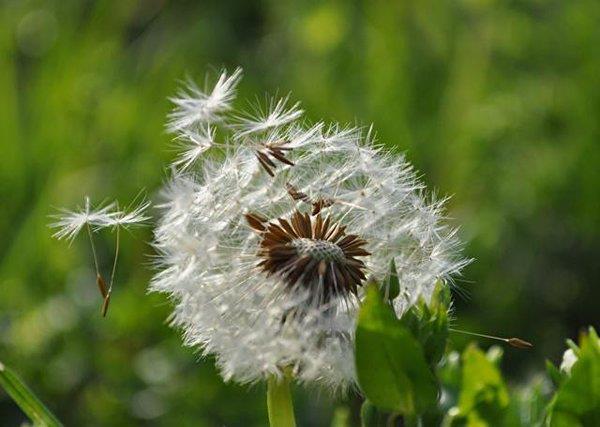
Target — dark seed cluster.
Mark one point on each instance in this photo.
(275, 150)
(317, 205)
(311, 251)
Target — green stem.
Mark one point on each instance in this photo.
(279, 402)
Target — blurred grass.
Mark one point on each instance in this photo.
(26, 399)
(496, 103)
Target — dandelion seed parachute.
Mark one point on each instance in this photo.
(69, 223)
(263, 290)
(136, 215)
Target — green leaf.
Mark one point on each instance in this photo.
(25, 399)
(449, 373)
(494, 355)
(391, 368)
(370, 416)
(556, 376)
(341, 417)
(528, 404)
(393, 284)
(577, 401)
(484, 397)
(428, 322)
(441, 297)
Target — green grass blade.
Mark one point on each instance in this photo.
(24, 397)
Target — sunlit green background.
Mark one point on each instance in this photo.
(496, 103)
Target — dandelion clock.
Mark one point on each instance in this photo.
(268, 234)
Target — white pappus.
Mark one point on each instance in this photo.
(269, 229)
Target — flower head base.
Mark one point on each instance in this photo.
(316, 254)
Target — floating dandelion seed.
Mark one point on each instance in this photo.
(239, 249)
(134, 215)
(122, 219)
(70, 223)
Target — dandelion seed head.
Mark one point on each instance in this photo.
(266, 239)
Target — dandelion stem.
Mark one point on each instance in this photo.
(279, 402)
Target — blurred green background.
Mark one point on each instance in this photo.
(496, 103)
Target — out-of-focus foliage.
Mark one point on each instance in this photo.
(497, 103)
(25, 398)
(483, 398)
(397, 382)
(428, 322)
(481, 395)
(577, 401)
(390, 360)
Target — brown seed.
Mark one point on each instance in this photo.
(296, 195)
(101, 285)
(105, 304)
(322, 268)
(320, 204)
(266, 159)
(265, 165)
(519, 343)
(339, 232)
(357, 252)
(281, 157)
(318, 227)
(255, 221)
(287, 227)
